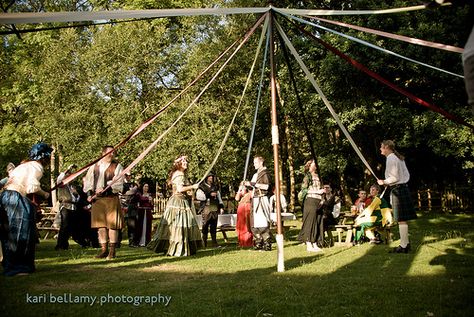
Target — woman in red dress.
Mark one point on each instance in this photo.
(243, 227)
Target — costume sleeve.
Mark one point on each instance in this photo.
(200, 195)
(391, 170)
(219, 199)
(117, 186)
(89, 180)
(178, 181)
(34, 173)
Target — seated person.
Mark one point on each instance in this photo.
(328, 201)
(377, 214)
(361, 202)
(283, 203)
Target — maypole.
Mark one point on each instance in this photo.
(275, 142)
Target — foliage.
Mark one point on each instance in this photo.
(81, 88)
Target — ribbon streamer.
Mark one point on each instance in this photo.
(374, 75)
(77, 16)
(323, 97)
(407, 39)
(373, 46)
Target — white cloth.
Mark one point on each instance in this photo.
(117, 187)
(25, 178)
(284, 204)
(396, 171)
(261, 212)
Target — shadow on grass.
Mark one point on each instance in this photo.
(230, 281)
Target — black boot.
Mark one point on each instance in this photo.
(204, 239)
(258, 242)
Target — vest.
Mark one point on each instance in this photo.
(109, 175)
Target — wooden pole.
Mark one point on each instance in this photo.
(275, 143)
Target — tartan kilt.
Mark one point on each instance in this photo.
(402, 204)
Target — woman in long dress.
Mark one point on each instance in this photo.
(145, 217)
(312, 230)
(178, 233)
(18, 212)
(243, 227)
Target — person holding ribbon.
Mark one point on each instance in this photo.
(397, 177)
(18, 212)
(261, 210)
(103, 186)
(178, 233)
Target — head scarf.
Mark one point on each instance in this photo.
(40, 151)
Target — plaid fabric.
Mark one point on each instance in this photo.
(17, 219)
(402, 204)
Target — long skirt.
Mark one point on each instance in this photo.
(18, 233)
(178, 233)
(143, 228)
(243, 227)
(312, 229)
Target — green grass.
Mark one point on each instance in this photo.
(435, 279)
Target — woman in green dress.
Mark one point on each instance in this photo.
(178, 233)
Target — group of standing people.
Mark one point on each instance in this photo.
(371, 212)
(178, 233)
(137, 207)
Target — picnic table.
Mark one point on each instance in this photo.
(227, 222)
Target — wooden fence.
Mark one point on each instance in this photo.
(459, 199)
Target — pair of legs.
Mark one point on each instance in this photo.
(262, 238)
(209, 224)
(108, 239)
(106, 215)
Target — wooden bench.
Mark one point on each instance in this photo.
(224, 229)
(341, 229)
(46, 225)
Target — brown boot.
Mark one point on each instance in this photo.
(103, 251)
(112, 251)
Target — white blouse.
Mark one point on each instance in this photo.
(25, 178)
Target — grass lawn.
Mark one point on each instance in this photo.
(435, 279)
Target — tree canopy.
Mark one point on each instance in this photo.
(83, 87)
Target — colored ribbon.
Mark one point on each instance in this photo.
(373, 46)
(323, 97)
(408, 39)
(374, 75)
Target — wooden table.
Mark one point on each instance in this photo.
(227, 222)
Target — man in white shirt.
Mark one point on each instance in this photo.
(397, 177)
(101, 182)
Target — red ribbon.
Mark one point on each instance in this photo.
(404, 92)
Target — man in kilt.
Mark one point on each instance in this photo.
(397, 177)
